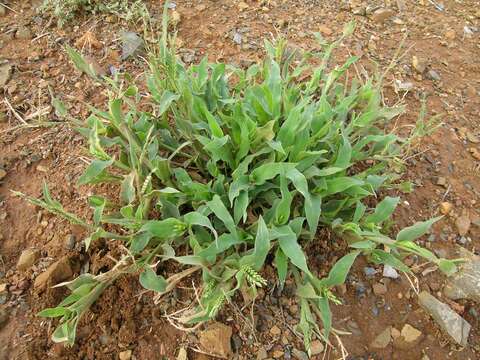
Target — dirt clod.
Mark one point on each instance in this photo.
(125, 355)
(383, 339)
(262, 354)
(325, 30)
(4, 315)
(275, 331)
(446, 207)
(418, 65)
(58, 271)
(23, 33)
(182, 354)
(463, 224)
(433, 75)
(475, 153)
(5, 72)
(382, 15)
(215, 339)
(450, 34)
(379, 289)
(316, 347)
(278, 354)
(409, 337)
(27, 258)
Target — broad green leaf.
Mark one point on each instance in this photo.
(307, 291)
(415, 231)
(189, 260)
(410, 246)
(98, 204)
(127, 189)
(383, 211)
(326, 315)
(306, 323)
(60, 109)
(220, 211)
(382, 257)
(196, 218)
(277, 146)
(95, 169)
(116, 115)
(448, 267)
(65, 332)
(312, 202)
(296, 225)
(79, 281)
(269, 171)
(225, 241)
(264, 134)
(219, 148)
(359, 212)
(261, 248)
(364, 245)
(339, 184)
(406, 187)
(281, 263)
(139, 242)
(151, 281)
(349, 28)
(327, 171)
(79, 62)
(286, 134)
(215, 128)
(164, 229)
(131, 91)
(165, 101)
(290, 247)
(54, 312)
(344, 154)
(240, 207)
(79, 293)
(299, 181)
(237, 186)
(338, 273)
(282, 210)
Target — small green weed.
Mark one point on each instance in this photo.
(67, 10)
(218, 167)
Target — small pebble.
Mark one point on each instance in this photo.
(379, 289)
(433, 75)
(390, 272)
(316, 347)
(70, 241)
(237, 38)
(360, 289)
(262, 354)
(369, 271)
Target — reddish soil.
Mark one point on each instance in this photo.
(444, 168)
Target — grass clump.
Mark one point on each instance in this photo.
(67, 10)
(224, 170)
